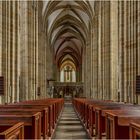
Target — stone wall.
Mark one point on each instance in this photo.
(101, 51)
(128, 49)
(21, 51)
(115, 50)
(111, 55)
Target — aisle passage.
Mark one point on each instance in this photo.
(69, 125)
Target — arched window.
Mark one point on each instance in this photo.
(67, 74)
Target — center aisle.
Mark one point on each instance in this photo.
(69, 125)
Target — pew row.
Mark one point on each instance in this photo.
(54, 110)
(86, 111)
(32, 127)
(100, 116)
(25, 111)
(117, 123)
(93, 115)
(48, 108)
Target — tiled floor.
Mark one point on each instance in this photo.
(69, 125)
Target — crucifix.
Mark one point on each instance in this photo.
(68, 73)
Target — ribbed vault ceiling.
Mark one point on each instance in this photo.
(67, 25)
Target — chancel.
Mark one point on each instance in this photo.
(69, 69)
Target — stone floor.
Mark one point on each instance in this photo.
(69, 125)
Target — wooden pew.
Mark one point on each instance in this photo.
(57, 104)
(93, 115)
(48, 123)
(53, 106)
(117, 123)
(85, 110)
(25, 111)
(90, 114)
(49, 108)
(134, 129)
(32, 124)
(51, 112)
(100, 115)
(12, 132)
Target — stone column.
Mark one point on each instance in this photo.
(18, 52)
(24, 50)
(1, 44)
(114, 50)
(120, 52)
(124, 52)
(94, 61)
(4, 49)
(99, 52)
(49, 66)
(9, 49)
(138, 42)
(13, 50)
(106, 51)
(128, 53)
(135, 51)
(91, 64)
(138, 38)
(88, 70)
(83, 67)
(43, 42)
